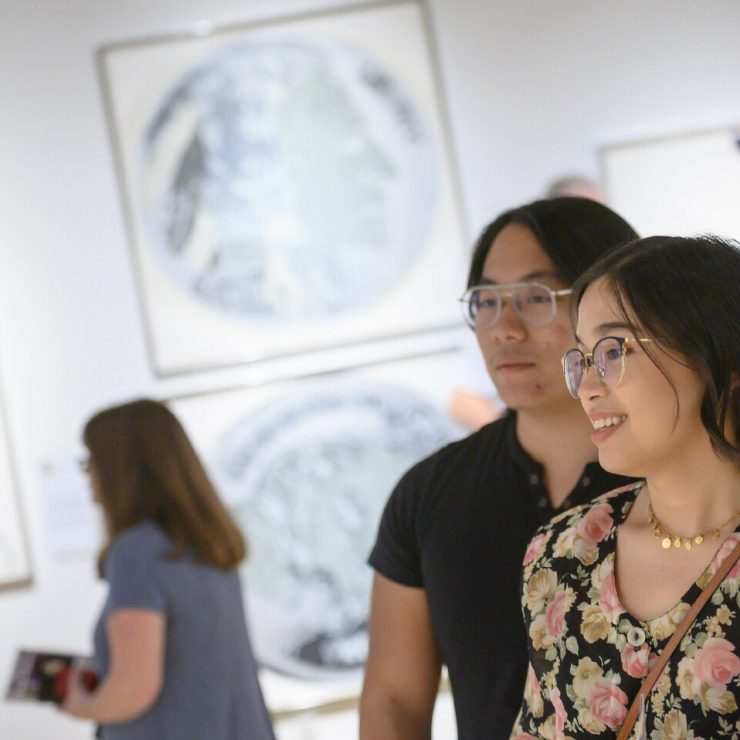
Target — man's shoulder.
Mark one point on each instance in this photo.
(436, 494)
(471, 455)
(487, 441)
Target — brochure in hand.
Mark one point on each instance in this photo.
(43, 676)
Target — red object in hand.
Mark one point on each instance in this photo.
(88, 678)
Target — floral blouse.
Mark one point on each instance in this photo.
(588, 656)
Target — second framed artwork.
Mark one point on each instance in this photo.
(681, 184)
(288, 185)
(306, 467)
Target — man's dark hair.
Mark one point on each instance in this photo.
(573, 232)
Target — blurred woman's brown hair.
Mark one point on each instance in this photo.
(144, 467)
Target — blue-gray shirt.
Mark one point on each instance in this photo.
(210, 688)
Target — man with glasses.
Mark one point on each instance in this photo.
(453, 535)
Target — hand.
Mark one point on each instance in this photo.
(78, 700)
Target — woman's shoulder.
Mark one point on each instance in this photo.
(139, 541)
(577, 532)
(613, 499)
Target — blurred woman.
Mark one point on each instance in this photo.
(171, 644)
(657, 370)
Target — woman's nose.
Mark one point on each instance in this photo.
(591, 386)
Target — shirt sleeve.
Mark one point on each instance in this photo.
(131, 570)
(396, 553)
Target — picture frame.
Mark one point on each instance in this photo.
(679, 184)
(15, 562)
(288, 185)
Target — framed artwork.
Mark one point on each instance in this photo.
(288, 185)
(306, 466)
(15, 565)
(678, 185)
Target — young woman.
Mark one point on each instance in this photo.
(171, 644)
(657, 371)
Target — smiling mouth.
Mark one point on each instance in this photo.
(609, 421)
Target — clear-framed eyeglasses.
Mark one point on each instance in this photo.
(608, 359)
(534, 304)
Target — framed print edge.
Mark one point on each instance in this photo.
(448, 162)
(681, 182)
(448, 347)
(349, 436)
(129, 234)
(25, 577)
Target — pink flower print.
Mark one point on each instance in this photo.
(556, 610)
(557, 704)
(635, 660)
(532, 693)
(608, 703)
(596, 524)
(584, 550)
(535, 548)
(523, 736)
(534, 682)
(727, 547)
(715, 663)
(608, 599)
(615, 492)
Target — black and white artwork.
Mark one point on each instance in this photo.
(306, 469)
(288, 185)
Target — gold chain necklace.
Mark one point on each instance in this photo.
(667, 539)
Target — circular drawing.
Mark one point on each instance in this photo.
(287, 178)
(310, 476)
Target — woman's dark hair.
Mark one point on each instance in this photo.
(147, 470)
(573, 232)
(685, 294)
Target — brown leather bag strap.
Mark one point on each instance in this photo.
(676, 637)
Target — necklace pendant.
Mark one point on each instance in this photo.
(668, 540)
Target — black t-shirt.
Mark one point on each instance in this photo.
(458, 524)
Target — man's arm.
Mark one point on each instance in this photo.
(403, 665)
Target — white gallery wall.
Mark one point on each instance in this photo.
(533, 89)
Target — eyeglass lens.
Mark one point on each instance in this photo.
(534, 304)
(607, 361)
